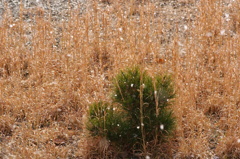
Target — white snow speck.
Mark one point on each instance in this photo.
(209, 34)
(185, 27)
(222, 32)
(161, 126)
(227, 17)
(11, 25)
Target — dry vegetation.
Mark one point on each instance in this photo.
(50, 70)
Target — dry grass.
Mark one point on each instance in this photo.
(51, 70)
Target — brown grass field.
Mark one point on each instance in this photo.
(51, 70)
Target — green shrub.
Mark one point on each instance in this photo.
(138, 113)
(108, 121)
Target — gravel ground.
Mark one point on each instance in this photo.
(174, 13)
(56, 7)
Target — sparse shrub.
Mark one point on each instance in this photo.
(106, 120)
(138, 114)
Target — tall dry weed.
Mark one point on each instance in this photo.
(51, 69)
